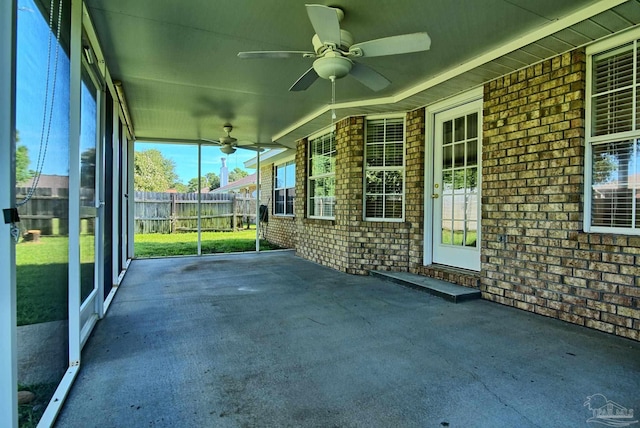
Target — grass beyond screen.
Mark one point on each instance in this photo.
(42, 267)
(182, 244)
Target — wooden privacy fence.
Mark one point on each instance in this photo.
(47, 211)
(157, 212)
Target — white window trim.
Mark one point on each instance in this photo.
(591, 51)
(401, 168)
(316, 177)
(275, 188)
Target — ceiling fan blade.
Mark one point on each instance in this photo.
(216, 142)
(275, 54)
(325, 22)
(394, 45)
(369, 77)
(254, 148)
(267, 145)
(271, 145)
(305, 80)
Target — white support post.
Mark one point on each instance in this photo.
(199, 221)
(258, 203)
(8, 334)
(131, 231)
(115, 194)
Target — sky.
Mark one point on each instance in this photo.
(186, 158)
(31, 87)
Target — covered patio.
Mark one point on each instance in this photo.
(270, 339)
(494, 144)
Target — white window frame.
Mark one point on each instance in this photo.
(312, 178)
(385, 168)
(8, 314)
(591, 140)
(285, 188)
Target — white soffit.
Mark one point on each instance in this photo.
(599, 20)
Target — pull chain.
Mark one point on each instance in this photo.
(48, 103)
(333, 99)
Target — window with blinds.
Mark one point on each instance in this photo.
(321, 179)
(614, 85)
(284, 189)
(613, 140)
(384, 169)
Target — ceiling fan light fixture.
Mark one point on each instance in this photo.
(227, 149)
(332, 66)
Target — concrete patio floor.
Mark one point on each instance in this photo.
(271, 340)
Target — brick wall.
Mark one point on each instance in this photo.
(280, 230)
(534, 254)
(349, 243)
(371, 244)
(353, 245)
(318, 240)
(414, 173)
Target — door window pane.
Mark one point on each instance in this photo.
(459, 182)
(88, 140)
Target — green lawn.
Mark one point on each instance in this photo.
(42, 277)
(182, 244)
(458, 237)
(42, 267)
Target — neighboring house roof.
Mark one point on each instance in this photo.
(632, 183)
(53, 182)
(248, 182)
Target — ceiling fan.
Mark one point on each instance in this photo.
(334, 51)
(228, 144)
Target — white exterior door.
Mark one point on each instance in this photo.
(456, 186)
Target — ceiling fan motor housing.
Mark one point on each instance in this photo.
(346, 40)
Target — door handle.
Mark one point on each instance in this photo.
(435, 196)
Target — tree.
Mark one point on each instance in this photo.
(210, 180)
(181, 187)
(23, 173)
(153, 172)
(237, 174)
(192, 185)
(604, 167)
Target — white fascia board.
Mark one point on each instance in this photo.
(269, 157)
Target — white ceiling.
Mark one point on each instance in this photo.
(183, 80)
